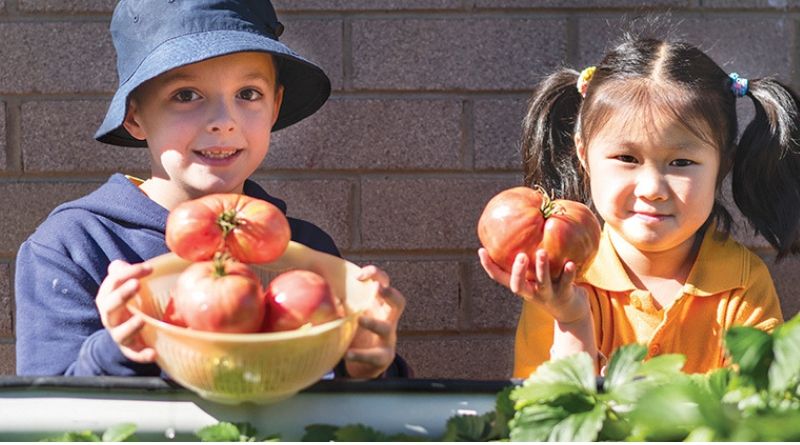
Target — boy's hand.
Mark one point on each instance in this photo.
(373, 347)
(116, 289)
(562, 299)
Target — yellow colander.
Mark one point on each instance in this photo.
(263, 367)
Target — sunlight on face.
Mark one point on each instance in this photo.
(652, 179)
(207, 124)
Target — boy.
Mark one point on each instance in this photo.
(202, 84)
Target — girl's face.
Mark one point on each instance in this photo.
(208, 124)
(652, 180)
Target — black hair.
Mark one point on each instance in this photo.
(676, 78)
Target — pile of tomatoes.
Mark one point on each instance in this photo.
(222, 234)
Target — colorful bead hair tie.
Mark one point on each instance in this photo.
(739, 85)
(584, 78)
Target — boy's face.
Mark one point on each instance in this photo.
(208, 124)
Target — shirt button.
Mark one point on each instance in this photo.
(655, 349)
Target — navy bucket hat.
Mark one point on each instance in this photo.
(154, 36)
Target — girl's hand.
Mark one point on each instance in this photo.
(373, 347)
(565, 301)
(119, 286)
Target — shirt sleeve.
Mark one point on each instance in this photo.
(58, 328)
(759, 305)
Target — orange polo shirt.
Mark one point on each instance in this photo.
(728, 285)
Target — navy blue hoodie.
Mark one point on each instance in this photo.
(61, 265)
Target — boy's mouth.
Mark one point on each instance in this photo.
(217, 153)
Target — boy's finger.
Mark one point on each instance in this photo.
(145, 355)
(382, 328)
(120, 272)
(378, 357)
(124, 334)
(118, 297)
(373, 273)
(393, 298)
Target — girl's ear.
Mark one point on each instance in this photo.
(131, 122)
(581, 151)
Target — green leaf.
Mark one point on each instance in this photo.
(751, 349)
(119, 433)
(784, 373)
(468, 428)
(557, 378)
(359, 433)
(624, 364)
(535, 422)
(320, 432)
(504, 412)
(75, 436)
(650, 374)
(579, 427)
(220, 432)
(667, 413)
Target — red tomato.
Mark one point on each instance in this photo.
(170, 316)
(249, 229)
(523, 219)
(296, 298)
(220, 296)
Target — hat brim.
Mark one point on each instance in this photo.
(306, 86)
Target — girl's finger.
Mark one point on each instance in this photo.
(567, 276)
(518, 280)
(542, 269)
(492, 269)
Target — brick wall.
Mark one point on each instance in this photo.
(421, 130)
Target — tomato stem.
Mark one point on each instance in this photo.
(219, 264)
(227, 221)
(549, 207)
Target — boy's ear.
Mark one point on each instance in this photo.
(278, 102)
(131, 122)
(580, 149)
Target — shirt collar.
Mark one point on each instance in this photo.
(720, 266)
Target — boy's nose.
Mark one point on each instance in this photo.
(222, 118)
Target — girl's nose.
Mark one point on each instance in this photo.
(221, 119)
(651, 185)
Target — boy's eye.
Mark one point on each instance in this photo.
(186, 96)
(682, 162)
(250, 94)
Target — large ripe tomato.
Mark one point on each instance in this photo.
(249, 229)
(522, 219)
(220, 296)
(296, 298)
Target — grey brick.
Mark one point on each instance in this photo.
(2, 135)
(492, 306)
(59, 137)
(56, 58)
(319, 41)
(373, 134)
(40, 198)
(70, 6)
(437, 54)
(431, 289)
(366, 5)
(571, 4)
(766, 51)
(459, 357)
(787, 282)
(8, 359)
(424, 213)
(498, 132)
(325, 203)
(748, 4)
(6, 302)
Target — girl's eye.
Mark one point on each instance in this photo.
(626, 159)
(186, 96)
(682, 162)
(250, 94)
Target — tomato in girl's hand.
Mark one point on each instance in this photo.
(220, 296)
(522, 220)
(250, 230)
(299, 297)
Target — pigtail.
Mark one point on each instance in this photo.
(548, 147)
(766, 171)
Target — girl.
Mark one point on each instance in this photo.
(647, 137)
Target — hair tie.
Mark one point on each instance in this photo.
(584, 78)
(739, 85)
